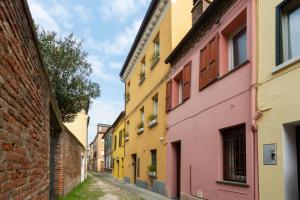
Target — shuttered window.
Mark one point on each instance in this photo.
(187, 81)
(209, 63)
(169, 96)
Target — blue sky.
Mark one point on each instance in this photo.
(108, 28)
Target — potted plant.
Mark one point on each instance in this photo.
(152, 170)
(154, 59)
(126, 136)
(140, 127)
(142, 76)
(152, 120)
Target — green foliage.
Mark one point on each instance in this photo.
(140, 125)
(152, 168)
(83, 191)
(69, 73)
(152, 117)
(154, 57)
(142, 75)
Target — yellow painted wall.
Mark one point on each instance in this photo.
(118, 153)
(79, 127)
(154, 84)
(279, 93)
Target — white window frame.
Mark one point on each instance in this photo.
(231, 48)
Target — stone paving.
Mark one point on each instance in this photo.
(117, 190)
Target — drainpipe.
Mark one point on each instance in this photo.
(255, 114)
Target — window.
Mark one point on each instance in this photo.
(238, 49)
(155, 105)
(153, 158)
(179, 88)
(115, 142)
(169, 96)
(288, 30)
(156, 52)
(156, 44)
(142, 114)
(234, 154)
(143, 68)
(120, 138)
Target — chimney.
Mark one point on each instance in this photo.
(198, 8)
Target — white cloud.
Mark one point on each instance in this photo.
(120, 9)
(106, 113)
(98, 69)
(122, 42)
(115, 65)
(42, 17)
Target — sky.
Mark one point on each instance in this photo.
(107, 28)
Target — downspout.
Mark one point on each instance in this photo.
(255, 114)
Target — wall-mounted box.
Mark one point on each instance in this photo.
(270, 154)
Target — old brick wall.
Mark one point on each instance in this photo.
(24, 108)
(72, 152)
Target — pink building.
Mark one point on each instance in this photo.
(211, 130)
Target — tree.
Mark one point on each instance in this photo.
(69, 73)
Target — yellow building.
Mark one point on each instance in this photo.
(79, 128)
(279, 99)
(144, 73)
(118, 147)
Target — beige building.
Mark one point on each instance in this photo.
(97, 161)
(79, 128)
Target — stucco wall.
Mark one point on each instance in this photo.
(197, 122)
(278, 98)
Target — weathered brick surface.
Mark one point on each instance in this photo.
(25, 117)
(24, 108)
(72, 161)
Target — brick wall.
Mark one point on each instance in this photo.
(71, 161)
(30, 168)
(24, 108)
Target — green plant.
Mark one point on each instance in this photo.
(140, 125)
(126, 134)
(152, 168)
(142, 75)
(154, 57)
(152, 117)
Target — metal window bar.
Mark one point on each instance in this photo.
(234, 154)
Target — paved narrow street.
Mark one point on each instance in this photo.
(116, 190)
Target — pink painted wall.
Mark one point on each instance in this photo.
(196, 123)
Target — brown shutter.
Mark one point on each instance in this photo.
(209, 63)
(169, 96)
(187, 81)
(213, 59)
(203, 67)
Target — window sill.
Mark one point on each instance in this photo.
(140, 131)
(154, 63)
(152, 123)
(227, 74)
(286, 64)
(178, 105)
(233, 183)
(142, 81)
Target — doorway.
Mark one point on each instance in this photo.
(134, 167)
(291, 158)
(298, 157)
(177, 158)
(118, 164)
